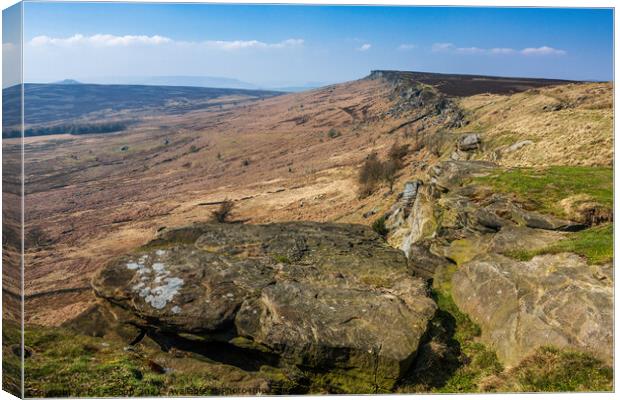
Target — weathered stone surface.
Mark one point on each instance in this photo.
(537, 220)
(326, 296)
(420, 224)
(584, 209)
(518, 145)
(469, 142)
(555, 300)
(450, 174)
(423, 262)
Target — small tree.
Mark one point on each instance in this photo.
(390, 172)
(332, 134)
(379, 226)
(398, 152)
(370, 174)
(372, 169)
(223, 213)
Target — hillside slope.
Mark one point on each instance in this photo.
(475, 179)
(290, 157)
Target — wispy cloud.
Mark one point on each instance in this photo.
(442, 47)
(106, 40)
(364, 47)
(542, 51)
(102, 40)
(502, 50)
(406, 47)
(251, 44)
(528, 51)
(470, 50)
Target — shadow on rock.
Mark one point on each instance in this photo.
(438, 357)
(222, 352)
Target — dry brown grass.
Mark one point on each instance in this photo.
(569, 125)
(95, 202)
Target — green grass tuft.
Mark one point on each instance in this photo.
(281, 258)
(596, 244)
(548, 186)
(379, 226)
(553, 370)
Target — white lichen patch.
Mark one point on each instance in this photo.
(176, 309)
(159, 296)
(160, 253)
(159, 267)
(155, 286)
(133, 265)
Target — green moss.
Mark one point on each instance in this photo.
(281, 258)
(11, 362)
(349, 383)
(545, 188)
(482, 363)
(596, 244)
(463, 250)
(67, 364)
(460, 361)
(553, 370)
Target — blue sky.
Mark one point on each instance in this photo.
(292, 45)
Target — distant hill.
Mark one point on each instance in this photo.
(176, 80)
(466, 85)
(68, 82)
(65, 103)
(197, 81)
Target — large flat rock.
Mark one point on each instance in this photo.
(320, 296)
(553, 300)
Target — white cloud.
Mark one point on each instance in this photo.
(542, 51)
(502, 50)
(406, 47)
(106, 40)
(251, 44)
(451, 48)
(442, 47)
(364, 47)
(470, 50)
(102, 40)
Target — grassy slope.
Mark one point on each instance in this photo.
(552, 370)
(545, 188)
(569, 125)
(64, 363)
(596, 244)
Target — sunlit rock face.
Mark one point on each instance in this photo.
(553, 300)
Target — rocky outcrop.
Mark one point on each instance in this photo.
(469, 142)
(407, 227)
(552, 300)
(316, 296)
(557, 300)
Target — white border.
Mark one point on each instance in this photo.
(478, 3)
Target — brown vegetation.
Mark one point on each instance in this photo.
(374, 171)
(224, 211)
